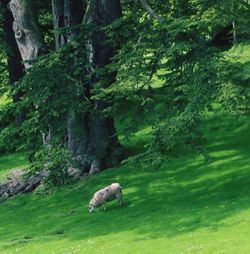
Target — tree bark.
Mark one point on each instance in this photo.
(66, 13)
(91, 137)
(103, 141)
(15, 66)
(27, 33)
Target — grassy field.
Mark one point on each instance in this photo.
(186, 206)
(11, 162)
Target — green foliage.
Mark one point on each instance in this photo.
(179, 56)
(10, 139)
(4, 82)
(3, 73)
(3, 101)
(168, 73)
(45, 21)
(51, 90)
(234, 94)
(55, 160)
(10, 134)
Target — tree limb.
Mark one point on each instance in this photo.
(151, 12)
(88, 12)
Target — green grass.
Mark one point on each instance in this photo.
(12, 161)
(186, 206)
(4, 100)
(239, 53)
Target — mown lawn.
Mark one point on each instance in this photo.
(186, 206)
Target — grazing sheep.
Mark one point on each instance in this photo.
(111, 192)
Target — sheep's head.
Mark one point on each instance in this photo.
(91, 208)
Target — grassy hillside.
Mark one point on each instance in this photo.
(12, 161)
(186, 206)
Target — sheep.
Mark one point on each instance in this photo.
(111, 192)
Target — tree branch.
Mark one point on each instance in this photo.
(88, 12)
(151, 12)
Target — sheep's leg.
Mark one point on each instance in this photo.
(103, 205)
(119, 198)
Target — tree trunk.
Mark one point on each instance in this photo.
(27, 34)
(15, 66)
(90, 137)
(103, 141)
(25, 26)
(66, 13)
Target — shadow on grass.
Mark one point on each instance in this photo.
(180, 197)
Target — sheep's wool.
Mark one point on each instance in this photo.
(108, 193)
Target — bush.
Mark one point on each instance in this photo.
(56, 160)
(9, 139)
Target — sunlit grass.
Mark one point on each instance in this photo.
(240, 52)
(186, 206)
(12, 161)
(4, 100)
